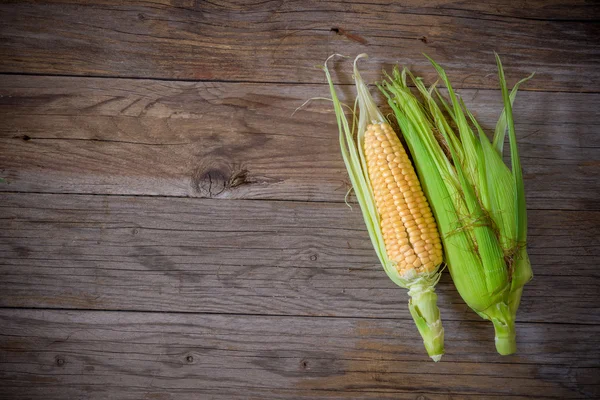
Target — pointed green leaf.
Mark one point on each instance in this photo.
(520, 207)
(501, 124)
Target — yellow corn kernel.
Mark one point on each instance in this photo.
(409, 231)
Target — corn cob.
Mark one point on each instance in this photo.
(409, 230)
(395, 210)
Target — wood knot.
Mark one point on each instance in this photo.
(189, 359)
(212, 178)
(60, 361)
(423, 39)
(314, 257)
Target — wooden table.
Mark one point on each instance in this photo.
(171, 231)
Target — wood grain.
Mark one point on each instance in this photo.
(252, 257)
(232, 140)
(92, 355)
(279, 41)
(170, 229)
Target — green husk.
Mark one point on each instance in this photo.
(479, 203)
(423, 300)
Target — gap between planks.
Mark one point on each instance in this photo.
(264, 82)
(233, 314)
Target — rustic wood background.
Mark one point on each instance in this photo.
(169, 230)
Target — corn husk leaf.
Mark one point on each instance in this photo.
(423, 300)
(481, 214)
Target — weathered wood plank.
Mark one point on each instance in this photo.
(60, 354)
(252, 257)
(276, 41)
(241, 140)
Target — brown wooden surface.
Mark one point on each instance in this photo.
(136, 355)
(169, 229)
(232, 140)
(282, 41)
(268, 257)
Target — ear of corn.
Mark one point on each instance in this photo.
(478, 202)
(396, 213)
(409, 230)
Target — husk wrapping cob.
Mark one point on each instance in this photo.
(398, 218)
(479, 203)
